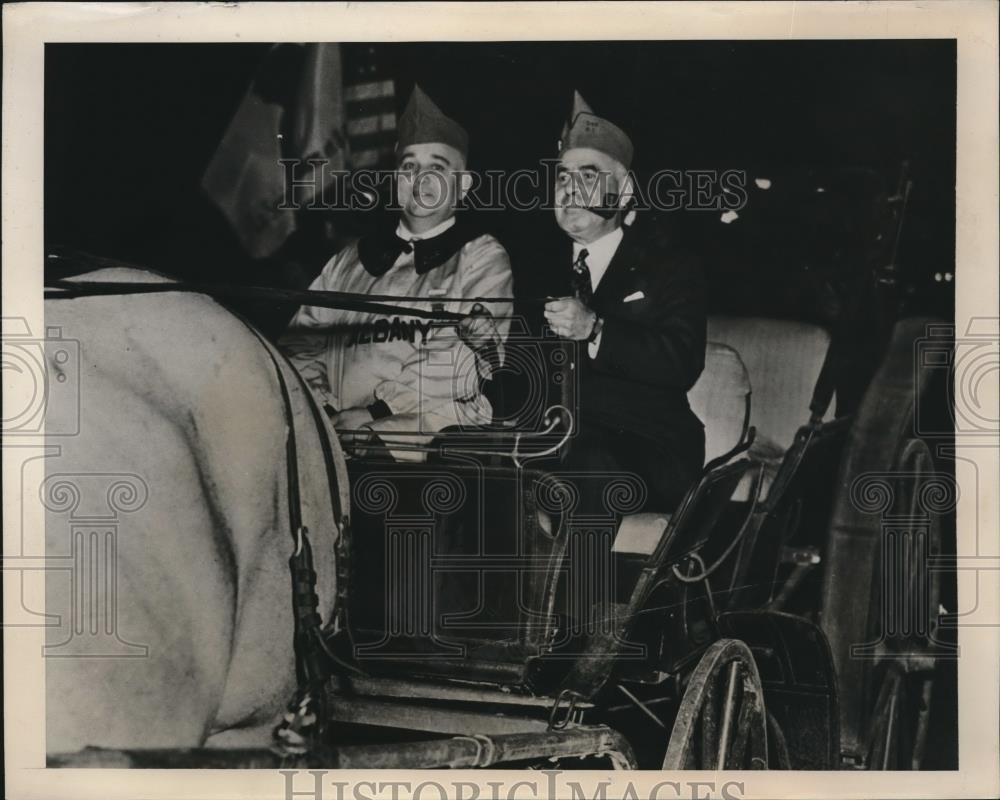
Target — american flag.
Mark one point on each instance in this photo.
(370, 104)
(337, 106)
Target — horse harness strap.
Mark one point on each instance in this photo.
(312, 659)
(304, 721)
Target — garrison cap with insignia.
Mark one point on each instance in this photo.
(423, 122)
(585, 129)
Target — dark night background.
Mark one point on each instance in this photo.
(129, 131)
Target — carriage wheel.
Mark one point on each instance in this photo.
(777, 748)
(721, 722)
(904, 680)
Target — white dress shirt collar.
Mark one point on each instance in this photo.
(406, 234)
(599, 254)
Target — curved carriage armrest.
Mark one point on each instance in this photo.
(725, 458)
(503, 441)
(692, 522)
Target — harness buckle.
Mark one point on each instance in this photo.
(296, 734)
(569, 698)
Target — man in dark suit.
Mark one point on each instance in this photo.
(637, 306)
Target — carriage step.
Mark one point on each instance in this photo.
(469, 693)
(419, 716)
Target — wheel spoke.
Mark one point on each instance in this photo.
(727, 712)
(709, 724)
(923, 720)
(883, 729)
(891, 730)
(743, 723)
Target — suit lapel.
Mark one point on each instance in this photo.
(623, 262)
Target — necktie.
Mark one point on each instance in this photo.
(583, 289)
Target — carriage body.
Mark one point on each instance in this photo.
(481, 621)
(480, 604)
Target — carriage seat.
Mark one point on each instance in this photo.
(491, 619)
(721, 399)
(783, 359)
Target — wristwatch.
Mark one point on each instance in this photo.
(596, 330)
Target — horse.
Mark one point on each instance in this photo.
(183, 401)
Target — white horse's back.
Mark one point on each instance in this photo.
(180, 395)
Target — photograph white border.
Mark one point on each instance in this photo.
(27, 27)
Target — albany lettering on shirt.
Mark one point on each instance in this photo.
(383, 330)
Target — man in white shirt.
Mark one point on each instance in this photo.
(637, 300)
(383, 374)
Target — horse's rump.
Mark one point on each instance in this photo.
(171, 504)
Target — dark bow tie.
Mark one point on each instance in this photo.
(379, 251)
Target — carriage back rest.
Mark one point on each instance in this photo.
(784, 359)
(721, 399)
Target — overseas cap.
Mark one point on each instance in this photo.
(423, 122)
(585, 129)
